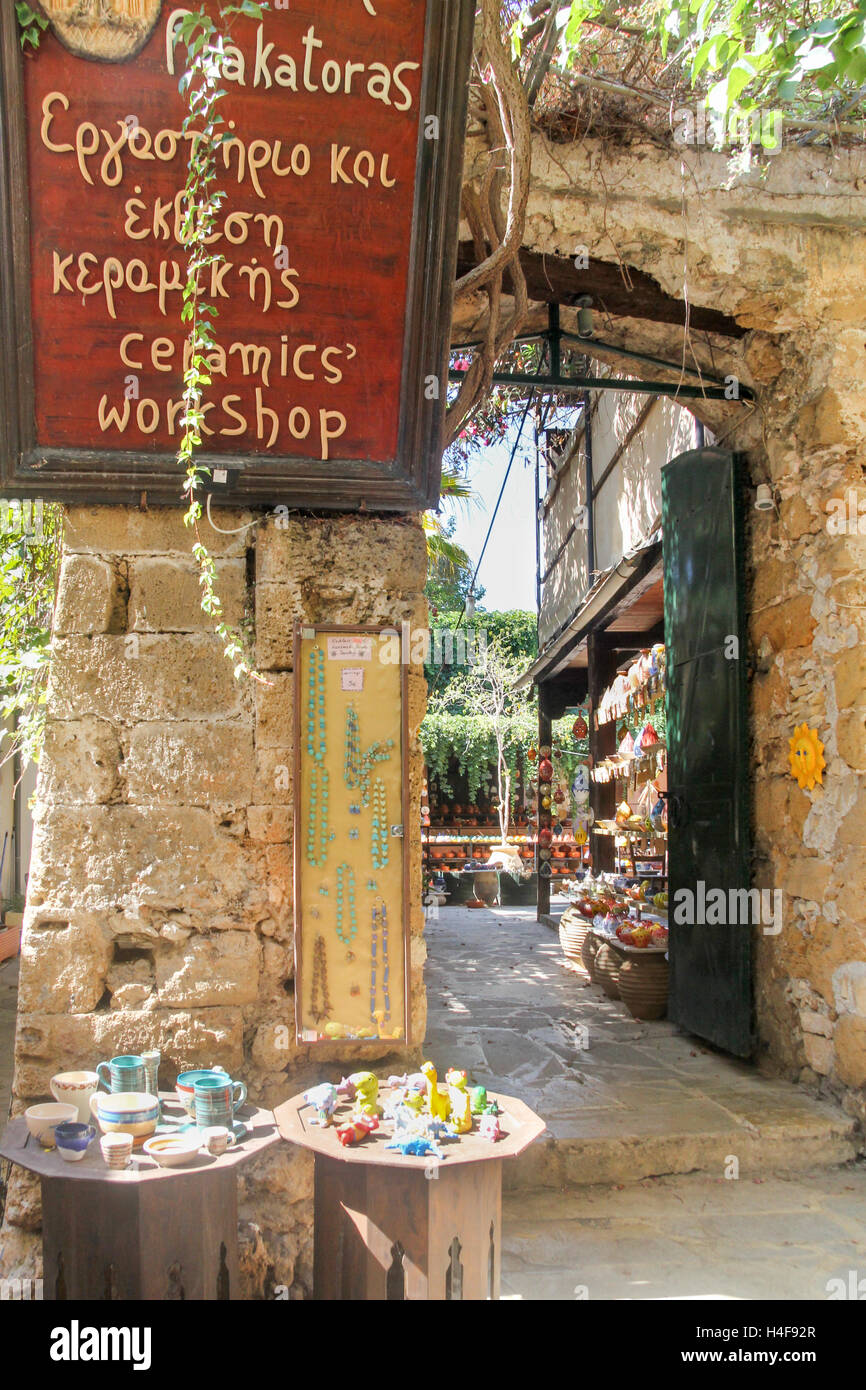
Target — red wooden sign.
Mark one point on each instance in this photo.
(336, 237)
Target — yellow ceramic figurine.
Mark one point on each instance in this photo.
(461, 1108)
(366, 1093)
(437, 1101)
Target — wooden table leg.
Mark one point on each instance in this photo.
(129, 1240)
(383, 1233)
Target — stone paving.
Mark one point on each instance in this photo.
(621, 1099)
(776, 1237)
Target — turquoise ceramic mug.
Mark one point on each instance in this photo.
(126, 1073)
(216, 1100)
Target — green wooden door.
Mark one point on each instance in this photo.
(710, 934)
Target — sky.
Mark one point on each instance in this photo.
(508, 570)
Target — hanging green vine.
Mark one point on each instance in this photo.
(200, 85)
(31, 23)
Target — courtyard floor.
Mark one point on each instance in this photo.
(668, 1170)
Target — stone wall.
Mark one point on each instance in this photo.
(782, 249)
(159, 911)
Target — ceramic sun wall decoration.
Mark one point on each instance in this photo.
(806, 756)
(351, 798)
(109, 30)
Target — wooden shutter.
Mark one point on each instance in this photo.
(702, 512)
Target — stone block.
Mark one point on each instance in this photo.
(186, 1038)
(194, 763)
(206, 971)
(165, 594)
(81, 762)
(270, 824)
(273, 1046)
(23, 1207)
(849, 988)
(339, 551)
(812, 1022)
(274, 777)
(90, 596)
(137, 677)
(157, 531)
(278, 967)
(278, 606)
(126, 860)
(64, 961)
(131, 982)
(850, 676)
(851, 739)
(786, 625)
(274, 711)
(819, 1053)
(850, 1041)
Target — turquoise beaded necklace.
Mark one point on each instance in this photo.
(318, 832)
(345, 877)
(379, 829)
(359, 765)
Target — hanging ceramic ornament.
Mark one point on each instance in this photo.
(545, 770)
(579, 727)
(659, 815)
(626, 748)
(581, 835)
(532, 754)
(544, 750)
(580, 781)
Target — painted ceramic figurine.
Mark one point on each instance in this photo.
(346, 1088)
(489, 1128)
(366, 1093)
(478, 1099)
(461, 1112)
(437, 1101)
(324, 1101)
(357, 1130)
(416, 1147)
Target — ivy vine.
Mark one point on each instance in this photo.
(200, 85)
(31, 23)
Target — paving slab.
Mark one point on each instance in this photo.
(622, 1099)
(777, 1238)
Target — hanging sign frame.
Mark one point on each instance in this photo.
(351, 837)
(342, 180)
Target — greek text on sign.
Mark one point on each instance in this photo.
(355, 648)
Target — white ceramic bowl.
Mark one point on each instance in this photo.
(41, 1120)
(126, 1112)
(172, 1150)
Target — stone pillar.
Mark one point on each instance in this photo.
(159, 910)
(808, 629)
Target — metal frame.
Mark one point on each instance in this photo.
(553, 338)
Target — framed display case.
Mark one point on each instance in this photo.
(351, 817)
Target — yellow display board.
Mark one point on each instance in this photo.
(351, 811)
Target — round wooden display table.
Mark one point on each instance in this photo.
(142, 1232)
(389, 1226)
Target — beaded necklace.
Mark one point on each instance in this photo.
(380, 918)
(320, 1003)
(379, 829)
(358, 765)
(318, 831)
(345, 873)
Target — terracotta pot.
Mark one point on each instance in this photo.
(572, 934)
(588, 953)
(607, 965)
(643, 986)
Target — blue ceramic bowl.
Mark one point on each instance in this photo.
(73, 1139)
